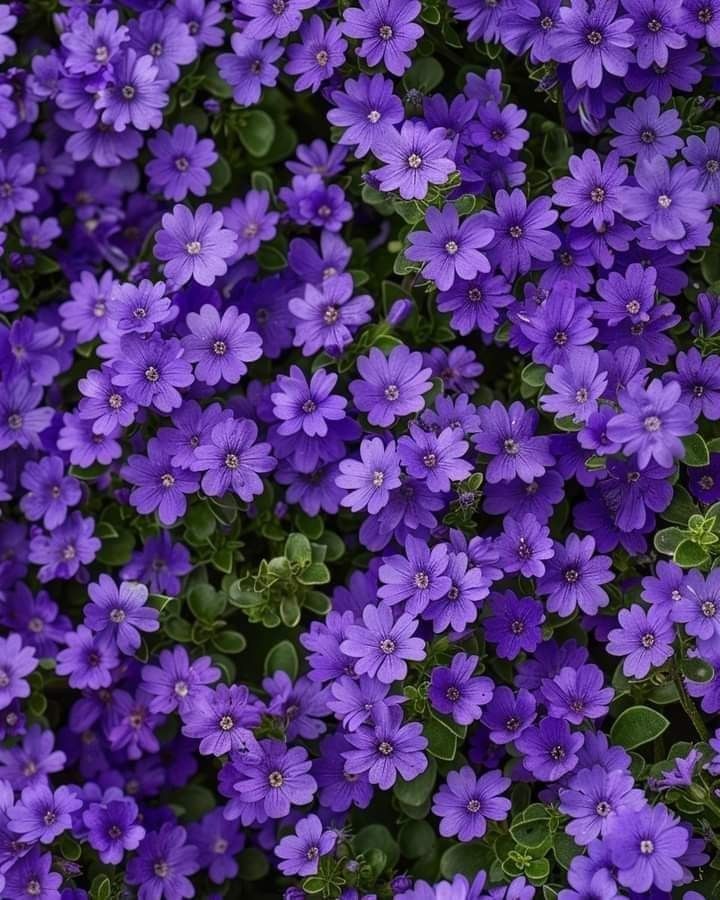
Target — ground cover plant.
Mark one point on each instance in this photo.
(359, 449)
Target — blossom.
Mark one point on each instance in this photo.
(465, 802)
(120, 611)
(194, 245)
(594, 191)
(113, 828)
(387, 749)
(387, 31)
(367, 109)
(89, 658)
(643, 638)
(158, 484)
(221, 719)
(414, 158)
(390, 386)
(450, 249)
(416, 578)
(514, 624)
(220, 346)
(180, 163)
(317, 55)
(250, 67)
(594, 800)
(301, 852)
(381, 646)
(50, 492)
(307, 406)
(16, 662)
(329, 315)
(42, 814)
(593, 40)
(276, 777)
(152, 370)
(508, 436)
(370, 479)
(549, 749)
(135, 95)
(435, 458)
(455, 691)
(162, 864)
(232, 461)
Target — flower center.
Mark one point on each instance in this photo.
(712, 166)
(275, 779)
(374, 116)
(652, 424)
(391, 392)
(452, 693)
(603, 808)
(473, 806)
(387, 646)
(219, 348)
(102, 54)
(705, 15)
(378, 478)
(194, 248)
(511, 447)
(594, 38)
(114, 832)
(226, 723)
(517, 627)
(647, 847)
(421, 580)
(664, 201)
(451, 247)
(322, 57)
(181, 688)
(708, 609)
(151, 374)
(231, 461)
(597, 194)
(546, 23)
(557, 752)
(430, 460)
(385, 32)
(161, 869)
(117, 616)
(515, 231)
(385, 748)
(15, 421)
(128, 91)
(414, 161)
(331, 315)
(512, 724)
(571, 575)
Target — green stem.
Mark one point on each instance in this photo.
(689, 706)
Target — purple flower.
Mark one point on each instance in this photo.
(176, 682)
(120, 612)
(232, 461)
(194, 245)
(523, 545)
(515, 624)
(16, 661)
(61, 553)
(317, 55)
(113, 828)
(269, 19)
(181, 163)
(644, 131)
(577, 386)
(382, 645)
(573, 577)
(497, 129)
(521, 234)
(21, 419)
(249, 67)
(251, 221)
(159, 563)
(508, 436)
(594, 800)
(703, 154)
(652, 423)
(300, 852)
(645, 639)
(370, 479)
(167, 40)
(549, 749)
(700, 19)
(645, 845)
(27, 349)
(218, 842)
(390, 386)
(159, 485)
(416, 578)
(449, 249)
(667, 200)
(577, 694)
(656, 29)
(387, 749)
(15, 174)
(594, 191)
(459, 606)
(91, 47)
(367, 109)
(105, 405)
(276, 777)
(435, 458)
(415, 157)
(329, 315)
(89, 659)
(135, 95)
(140, 307)
(455, 690)
(220, 346)
(387, 30)
(221, 720)
(151, 370)
(50, 491)
(42, 814)
(699, 608)
(593, 40)
(465, 803)
(162, 864)
(306, 406)
(30, 876)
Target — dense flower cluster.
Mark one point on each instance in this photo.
(359, 449)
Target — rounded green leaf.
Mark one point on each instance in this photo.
(637, 726)
(282, 657)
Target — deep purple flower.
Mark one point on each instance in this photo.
(549, 749)
(176, 681)
(220, 346)
(329, 315)
(515, 624)
(644, 638)
(135, 94)
(593, 40)
(249, 67)
(667, 200)
(221, 719)
(306, 406)
(382, 645)
(594, 191)
(416, 578)
(521, 232)
(435, 458)
(16, 661)
(370, 479)
(30, 876)
(113, 828)
(455, 691)
(120, 611)
(159, 485)
(594, 800)
(61, 553)
(181, 163)
(89, 659)
(140, 307)
(49, 491)
(317, 55)
(301, 852)
(577, 385)
(644, 131)
(448, 248)
(645, 845)
(251, 221)
(167, 40)
(159, 563)
(387, 749)
(652, 423)
(162, 864)
(465, 802)
(573, 577)
(42, 814)
(390, 386)
(21, 419)
(275, 777)
(577, 694)
(219, 842)
(367, 109)
(508, 436)
(194, 245)
(703, 155)
(151, 370)
(387, 30)
(232, 461)
(414, 158)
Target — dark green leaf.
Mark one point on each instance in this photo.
(230, 642)
(416, 839)
(205, 602)
(257, 132)
(696, 451)
(417, 791)
(688, 554)
(637, 726)
(442, 743)
(283, 656)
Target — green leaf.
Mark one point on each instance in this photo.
(417, 791)
(257, 132)
(565, 849)
(377, 837)
(442, 743)
(696, 451)
(311, 526)
(117, 551)
(688, 554)
(667, 540)
(466, 859)
(231, 642)
(682, 507)
(271, 258)
(221, 174)
(200, 521)
(101, 888)
(314, 885)
(289, 611)
(196, 800)
(253, 864)
(317, 602)
(425, 74)
(244, 599)
(534, 375)
(530, 832)
(537, 870)
(298, 549)
(205, 602)
(315, 573)
(697, 670)
(178, 630)
(283, 656)
(223, 560)
(416, 839)
(637, 726)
